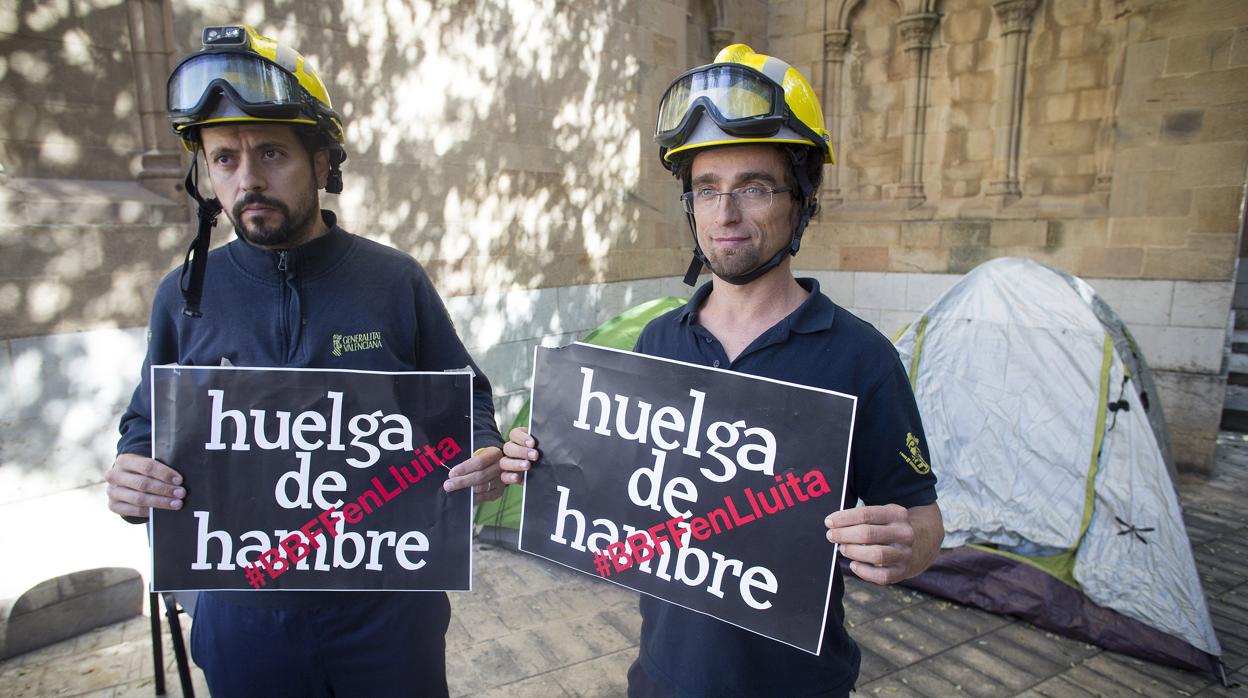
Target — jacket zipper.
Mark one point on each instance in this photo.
(283, 265)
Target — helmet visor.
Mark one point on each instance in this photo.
(255, 85)
(741, 100)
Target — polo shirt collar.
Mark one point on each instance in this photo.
(815, 314)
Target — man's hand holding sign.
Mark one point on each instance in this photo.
(137, 484)
(480, 472)
(881, 540)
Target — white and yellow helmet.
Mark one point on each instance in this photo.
(743, 97)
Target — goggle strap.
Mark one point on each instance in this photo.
(195, 264)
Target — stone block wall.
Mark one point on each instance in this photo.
(505, 145)
(83, 254)
(67, 65)
(1179, 165)
(1108, 139)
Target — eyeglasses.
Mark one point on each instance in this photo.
(746, 198)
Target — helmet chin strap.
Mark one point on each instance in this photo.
(191, 280)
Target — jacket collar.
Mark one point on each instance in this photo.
(311, 259)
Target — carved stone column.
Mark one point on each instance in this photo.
(721, 37)
(916, 40)
(1106, 136)
(721, 32)
(1015, 18)
(159, 167)
(835, 44)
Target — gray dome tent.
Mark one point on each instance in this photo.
(1055, 476)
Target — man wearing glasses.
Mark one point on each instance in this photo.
(745, 136)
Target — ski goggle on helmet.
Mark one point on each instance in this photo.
(743, 97)
(242, 76)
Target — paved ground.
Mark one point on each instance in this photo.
(532, 629)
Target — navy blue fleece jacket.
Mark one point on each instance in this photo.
(285, 309)
(338, 301)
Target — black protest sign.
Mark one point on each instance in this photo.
(699, 486)
(312, 479)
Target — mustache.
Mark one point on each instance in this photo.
(256, 198)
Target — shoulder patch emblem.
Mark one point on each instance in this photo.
(915, 459)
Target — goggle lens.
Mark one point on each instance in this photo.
(737, 93)
(257, 82)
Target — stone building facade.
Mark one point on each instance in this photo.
(1109, 139)
(508, 147)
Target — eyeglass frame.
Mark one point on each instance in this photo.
(689, 198)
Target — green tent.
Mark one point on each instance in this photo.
(500, 519)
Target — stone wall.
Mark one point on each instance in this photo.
(1108, 139)
(65, 66)
(505, 145)
(1131, 142)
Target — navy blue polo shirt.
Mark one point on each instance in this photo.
(821, 345)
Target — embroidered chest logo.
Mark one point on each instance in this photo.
(346, 343)
(915, 459)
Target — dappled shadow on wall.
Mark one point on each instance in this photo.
(504, 146)
(500, 145)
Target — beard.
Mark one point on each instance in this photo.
(743, 259)
(735, 263)
(292, 224)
